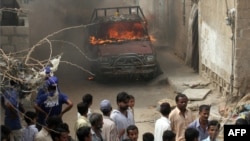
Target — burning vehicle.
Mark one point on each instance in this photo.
(119, 42)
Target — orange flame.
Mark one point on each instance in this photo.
(126, 31)
(120, 31)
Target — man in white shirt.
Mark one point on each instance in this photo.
(162, 124)
(30, 131)
(109, 130)
(122, 116)
(44, 133)
(88, 99)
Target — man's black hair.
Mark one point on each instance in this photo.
(64, 126)
(122, 96)
(165, 108)
(82, 108)
(148, 136)
(87, 98)
(241, 121)
(132, 127)
(204, 107)
(57, 132)
(168, 135)
(191, 134)
(29, 117)
(213, 123)
(54, 121)
(5, 132)
(179, 95)
(83, 132)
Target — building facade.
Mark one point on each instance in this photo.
(212, 37)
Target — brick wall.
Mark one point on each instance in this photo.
(15, 38)
(242, 50)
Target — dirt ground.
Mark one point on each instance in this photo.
(147, 95)
(75, 84)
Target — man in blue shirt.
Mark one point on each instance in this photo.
(11, 106)
(51, 103)
(201, 123)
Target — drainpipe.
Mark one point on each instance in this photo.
(230, 20)
(184, 11)
(232, 12)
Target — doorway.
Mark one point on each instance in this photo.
(192, 54)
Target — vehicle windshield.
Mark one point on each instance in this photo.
(116, 32)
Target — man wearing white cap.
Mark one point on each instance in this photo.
(109, 130)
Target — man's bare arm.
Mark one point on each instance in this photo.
(66, 109)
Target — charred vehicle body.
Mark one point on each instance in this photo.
(120, 43)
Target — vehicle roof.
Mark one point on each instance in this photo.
(118, 18)
(113, 14)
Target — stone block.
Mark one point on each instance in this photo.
(19, 40)
(243, 23)
(243, 13)
(8, 48)
(246, 33)
(22, 30)
(8, 30)
(196, 94)
(4, 40)
(22, 46)
(241, 43)
(242, 4)
(238, 33)
(239, 52)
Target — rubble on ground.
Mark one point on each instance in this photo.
(195, 84)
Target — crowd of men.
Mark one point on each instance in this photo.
(45, 122)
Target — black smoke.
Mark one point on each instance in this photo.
(49, 16)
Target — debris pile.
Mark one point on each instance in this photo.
(29, 72)
(28, 76)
